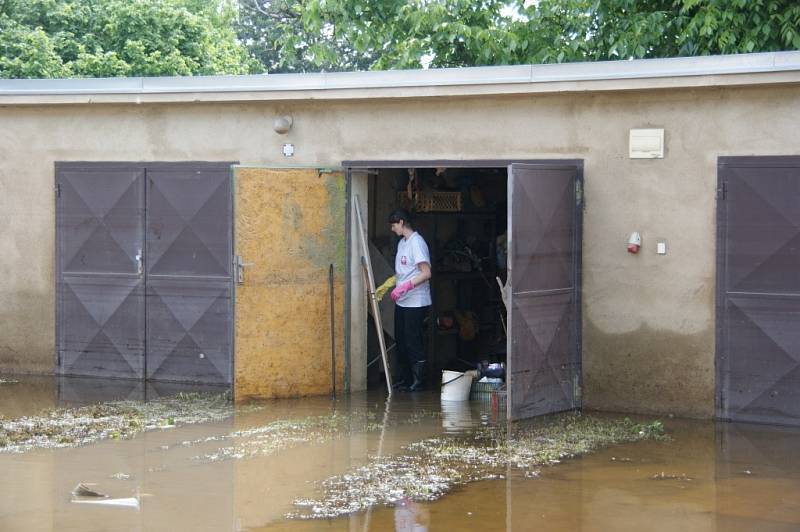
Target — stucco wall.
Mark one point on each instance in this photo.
(648, 319)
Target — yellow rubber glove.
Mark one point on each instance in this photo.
(382, 289)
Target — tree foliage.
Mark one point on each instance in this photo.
(383, 34)
(101, 38)
(68, 38)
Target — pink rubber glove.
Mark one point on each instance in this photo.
(401, 290)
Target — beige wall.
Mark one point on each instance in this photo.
(648, 319)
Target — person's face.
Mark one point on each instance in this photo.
(397, 228)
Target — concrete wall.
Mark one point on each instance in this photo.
(648, 319)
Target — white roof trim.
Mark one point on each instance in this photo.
(605, 75)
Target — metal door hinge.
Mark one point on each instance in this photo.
(722, 191)
(58, 190)
(578, 193)
(139, 262)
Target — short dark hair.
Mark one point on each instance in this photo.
(398, 215)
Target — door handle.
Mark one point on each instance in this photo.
(240, 269)
(139, 262)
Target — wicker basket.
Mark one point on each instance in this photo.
(435, 201)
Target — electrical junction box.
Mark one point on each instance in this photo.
(646, 144)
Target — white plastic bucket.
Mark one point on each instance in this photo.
(455, 385)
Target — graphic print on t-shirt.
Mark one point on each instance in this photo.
(410, 253)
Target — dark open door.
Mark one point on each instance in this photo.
(758, 289)
(544, 288)
(100, 282)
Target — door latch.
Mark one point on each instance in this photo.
(240, 269)
(139, 262)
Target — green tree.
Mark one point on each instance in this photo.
(104, 38)
(382, 34)
(275, 32)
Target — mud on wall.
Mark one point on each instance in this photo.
(289, 229)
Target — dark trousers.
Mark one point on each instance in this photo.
(408, 328)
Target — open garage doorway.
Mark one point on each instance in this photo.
(487, 224)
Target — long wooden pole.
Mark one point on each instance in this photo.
(373, 301)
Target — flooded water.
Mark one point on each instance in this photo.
(248, 471)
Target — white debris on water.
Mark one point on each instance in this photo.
(282, 434)
(428, 469)
(71, 427)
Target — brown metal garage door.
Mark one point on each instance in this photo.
(144, 260)
(758, 289)
(544, 223)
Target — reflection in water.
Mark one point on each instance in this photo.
(410, 517)
(457, 416)
(714, 476)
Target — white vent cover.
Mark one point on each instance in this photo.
(646, 144)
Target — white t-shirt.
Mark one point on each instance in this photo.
(410, 253)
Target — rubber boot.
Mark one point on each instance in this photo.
(403, 379)
(401, 384)
(418, 371)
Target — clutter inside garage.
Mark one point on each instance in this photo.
(461, 213)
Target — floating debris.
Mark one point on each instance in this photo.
(282, 434)
(9, 381)
(71, 427)
(82, 490)
(430, 468)
(125, 502)
(665, 476)
(120, 476)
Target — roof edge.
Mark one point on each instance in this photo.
(617, 75)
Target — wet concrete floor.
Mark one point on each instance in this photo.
(238, 474)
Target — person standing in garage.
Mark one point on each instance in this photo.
(412, 295)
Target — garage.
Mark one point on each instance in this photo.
(246, 274)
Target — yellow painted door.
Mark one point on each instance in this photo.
(289, 229)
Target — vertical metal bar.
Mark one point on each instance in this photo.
(58, 271)
(509, 293)
(143, 276)
(333, 334)
(232, 200)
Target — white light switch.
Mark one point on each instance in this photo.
(661, 247)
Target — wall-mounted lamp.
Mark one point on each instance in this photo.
(282, 124)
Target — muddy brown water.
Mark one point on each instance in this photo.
(708, 477)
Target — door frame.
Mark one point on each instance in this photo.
(144, 165)
(350, 166)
